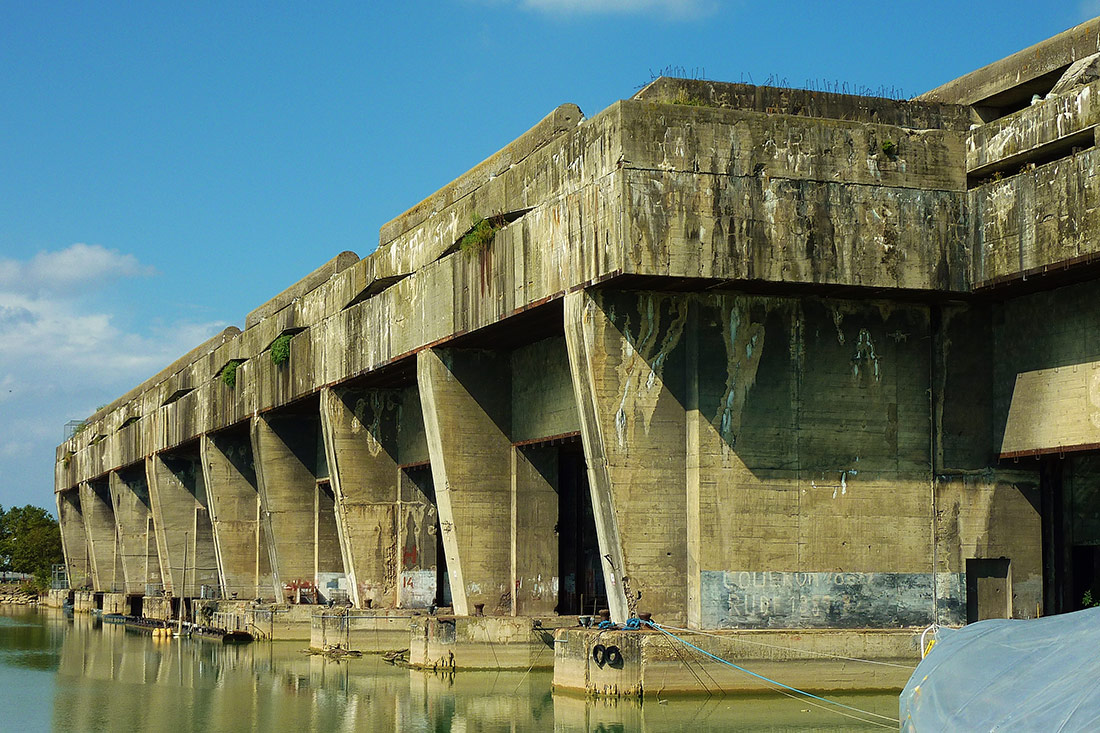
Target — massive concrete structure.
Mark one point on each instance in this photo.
(740, 357)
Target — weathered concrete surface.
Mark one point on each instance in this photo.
(229, 475)
(74, 539)
(99, 527)
(360, 430)
(299, 516)
(1068, 118)
(181, 515)
(467, 417)
(137, 537)
(805, 428)
(482, 642)
(1041, 219)
(653, 665)
(358, 631)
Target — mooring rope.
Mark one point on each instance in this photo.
(788, 648)
(770, 681)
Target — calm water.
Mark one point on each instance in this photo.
(75, 675)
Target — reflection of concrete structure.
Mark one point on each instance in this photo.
(736, 356)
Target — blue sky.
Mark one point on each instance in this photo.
(166, 168)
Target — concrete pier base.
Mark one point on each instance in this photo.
(359, 630)
(114, 603)
(649, 663)
(56, 598)
(83, 601)
(483, 642)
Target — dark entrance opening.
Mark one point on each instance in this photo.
(988, 589)
(134, 605)
(421, 477)
(1086, 576)
(174, 608)
(97, 598)
(580, 584)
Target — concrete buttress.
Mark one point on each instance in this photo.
(136, 535)
(297, 505)
(243, 564)
(466, 397)
(360, 429)
(74, 540)
(99, 526)
(632, 429)
(185, 539)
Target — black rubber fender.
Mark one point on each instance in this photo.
(598, 654)
(613, 656)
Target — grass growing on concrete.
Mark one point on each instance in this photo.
(280, 350)
(481, 233)
(229, 374)
(682, 97)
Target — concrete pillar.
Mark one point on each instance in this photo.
(230, 476)
(466, 398)
(633, 431)
(360, 430)
(298, 508)
(185, 538)
(98, 514)
(74, 539)
(136, 535)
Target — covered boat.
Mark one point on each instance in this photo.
(1009, 674)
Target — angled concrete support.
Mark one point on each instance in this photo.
(298, 506)
(633, 431)
(466, 397)
(99, 526)
(137, 537)
(230, 477)
(185, 538)
(74, 539)
(360, 430)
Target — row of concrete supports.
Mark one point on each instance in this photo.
(635, 450)
(425, 491)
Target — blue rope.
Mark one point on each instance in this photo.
(762, 677)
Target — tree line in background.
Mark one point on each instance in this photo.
(30, 542)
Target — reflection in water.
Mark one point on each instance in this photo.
(110, 679)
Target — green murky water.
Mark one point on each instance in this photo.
(72, 674)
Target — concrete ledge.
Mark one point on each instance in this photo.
(564, 118)
(1045, 57)
(483, 642)
(803, 102)
(360, 630)
(652, 664)
(310, 282)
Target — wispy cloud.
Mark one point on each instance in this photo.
(683, 9)
(79, 265)
(62, 354)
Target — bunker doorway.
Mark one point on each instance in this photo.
(580, 583)
(1069, 491)
(134, 605)
(424, 580)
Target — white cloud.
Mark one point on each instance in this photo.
(79, 265)
(61, 355)
(674, 8)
